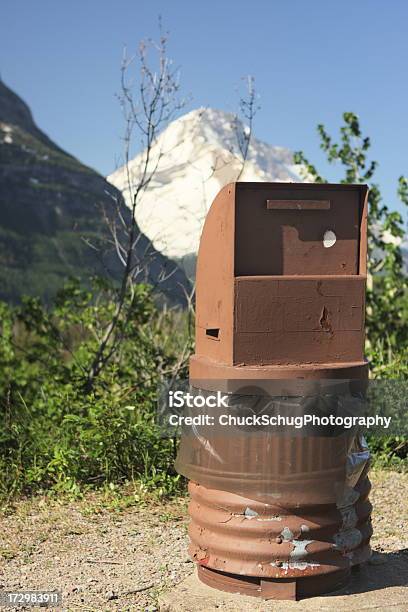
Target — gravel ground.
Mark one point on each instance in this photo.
(105, 558)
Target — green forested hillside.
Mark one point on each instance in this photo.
(51, 208)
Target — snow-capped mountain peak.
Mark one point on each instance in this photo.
(197, 154)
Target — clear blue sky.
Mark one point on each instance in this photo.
(312, 60)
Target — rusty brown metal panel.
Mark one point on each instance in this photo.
(214, 280)
(290, 470)
(363, 230)
(202, 368)
(284, 241)
(284, 320)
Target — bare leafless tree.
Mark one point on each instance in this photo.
(149, 103)
(148, 113)
(242, 125)
(249, 106)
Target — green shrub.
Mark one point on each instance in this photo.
(387, 283)
(54, 434)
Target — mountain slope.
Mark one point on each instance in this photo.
(199, 156)
(51, 208)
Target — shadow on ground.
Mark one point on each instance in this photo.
(376, 585)
(383, 570)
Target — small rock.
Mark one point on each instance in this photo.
(110, 595)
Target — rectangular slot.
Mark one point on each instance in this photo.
(213, 333)
(298, 204)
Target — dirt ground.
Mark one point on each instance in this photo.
(103, 557)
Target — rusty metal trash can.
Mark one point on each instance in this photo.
(280, 300)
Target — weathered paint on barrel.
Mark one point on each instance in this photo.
(246, 538)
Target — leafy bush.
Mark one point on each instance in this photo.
(55, 434)
(387, 283)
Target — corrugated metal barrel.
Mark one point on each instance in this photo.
(279, 515)
(310, 549)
